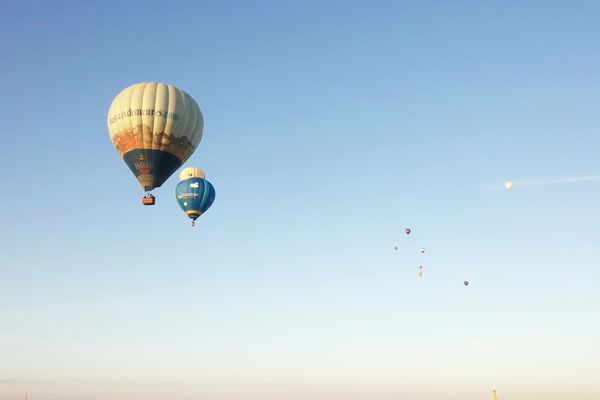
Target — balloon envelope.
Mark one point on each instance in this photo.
(191, 172)
(466, 283)
(407, 231)
(195, 196)
(155, 127)
(508, 185)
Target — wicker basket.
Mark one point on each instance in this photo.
(149, 200)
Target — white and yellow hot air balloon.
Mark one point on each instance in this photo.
(155, 127)
(508, 185)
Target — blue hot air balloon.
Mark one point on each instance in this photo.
(195, 196)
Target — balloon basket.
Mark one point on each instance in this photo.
(148, 200)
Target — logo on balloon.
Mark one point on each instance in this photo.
(187, 195)
(140, 112)
(144, 164)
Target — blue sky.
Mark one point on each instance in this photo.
(329, 128)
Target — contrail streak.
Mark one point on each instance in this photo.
(517, 184)
(563, 181)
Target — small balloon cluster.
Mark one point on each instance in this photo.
(422, 250)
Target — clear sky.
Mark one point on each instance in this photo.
(330, 126)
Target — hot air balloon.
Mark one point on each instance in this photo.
(155, 127)
(422, 250)
(396, 248)
(407, 231)
(508, 185)
(466, 283)
(195, 196)
(420, 274)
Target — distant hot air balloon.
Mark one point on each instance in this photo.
(466, 283)
(508, 185)
(195, 196)
(396, 248)
(422, 250)
(420, 274)
(155, 127)
(407, 231)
